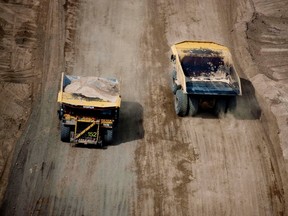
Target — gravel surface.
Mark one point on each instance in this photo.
(160, 164)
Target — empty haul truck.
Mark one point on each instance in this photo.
(204, 77)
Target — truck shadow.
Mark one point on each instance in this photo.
(246, 107)
(130, 126)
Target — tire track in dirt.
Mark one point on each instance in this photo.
(161, 164)
(230, 176)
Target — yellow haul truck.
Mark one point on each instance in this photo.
(88, 109)
(203, 77)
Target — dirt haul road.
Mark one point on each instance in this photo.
(161, 164)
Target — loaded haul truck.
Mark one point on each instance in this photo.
(88, 109)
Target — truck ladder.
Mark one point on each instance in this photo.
(85, 130)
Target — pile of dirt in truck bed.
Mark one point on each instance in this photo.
(94, 87)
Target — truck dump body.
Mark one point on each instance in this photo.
(89, 91)
(207, 68)
(203, 77)
(89, 109)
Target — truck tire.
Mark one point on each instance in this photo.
(220, 107)
(181, 103)
(175, 87)
(232, 104)
(174, 75)
(108, 137)
(65, 133)
(193, 106)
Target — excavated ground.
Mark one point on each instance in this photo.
(18, 55)
(160, 164)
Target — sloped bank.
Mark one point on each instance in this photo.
(20, 45)
(267, 35)
(26, 38)
(260, 42)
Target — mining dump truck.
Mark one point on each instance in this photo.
(88, 109)
(203, 77)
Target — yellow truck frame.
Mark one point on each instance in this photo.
(203, 76)
(86, 120)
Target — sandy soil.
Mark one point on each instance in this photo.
(160, 164)
(18, 77)
(268, 41)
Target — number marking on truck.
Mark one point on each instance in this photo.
(92, 134)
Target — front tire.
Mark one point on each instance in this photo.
(65, 133)
(175, 87)
(181, 103)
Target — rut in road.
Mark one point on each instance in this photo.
(202, 165)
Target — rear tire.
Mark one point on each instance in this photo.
(65, 133)
(108, 137)
(193, 106)
(220, 107)
(232, 104)
(181, 103)
(175, 87)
